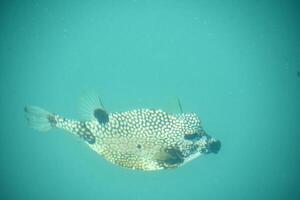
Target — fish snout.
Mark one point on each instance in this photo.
(214, 146)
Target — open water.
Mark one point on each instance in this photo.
(235, 63)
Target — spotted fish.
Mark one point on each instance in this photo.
(143, 139)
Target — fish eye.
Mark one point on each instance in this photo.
(138, 146)
(192, 137)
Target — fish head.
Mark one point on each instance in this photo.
(191, 142)
(203, 142)
(199, 145)
(196, 141)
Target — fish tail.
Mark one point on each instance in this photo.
(39, 119)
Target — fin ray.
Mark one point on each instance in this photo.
(89, 102)
(179, 105)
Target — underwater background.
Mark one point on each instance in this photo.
(235, 63)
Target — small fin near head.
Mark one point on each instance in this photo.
(179, 104)
(91, 107)
(170, 104)
(173, 105)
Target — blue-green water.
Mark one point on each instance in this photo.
(235, 63)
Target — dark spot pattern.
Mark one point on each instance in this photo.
(89, 138)
(86, 134)
(52, 120)
(170, 157)
(192, 137)
(101, 116)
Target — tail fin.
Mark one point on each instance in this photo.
(39, 119)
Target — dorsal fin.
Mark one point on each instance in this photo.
(91, 107)
(170, 104)
(173, 105)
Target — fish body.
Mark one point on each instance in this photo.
(143, 139)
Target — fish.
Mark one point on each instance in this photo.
(140, 139)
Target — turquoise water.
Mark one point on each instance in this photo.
(236, 64)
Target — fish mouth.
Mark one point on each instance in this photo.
(214, 146)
